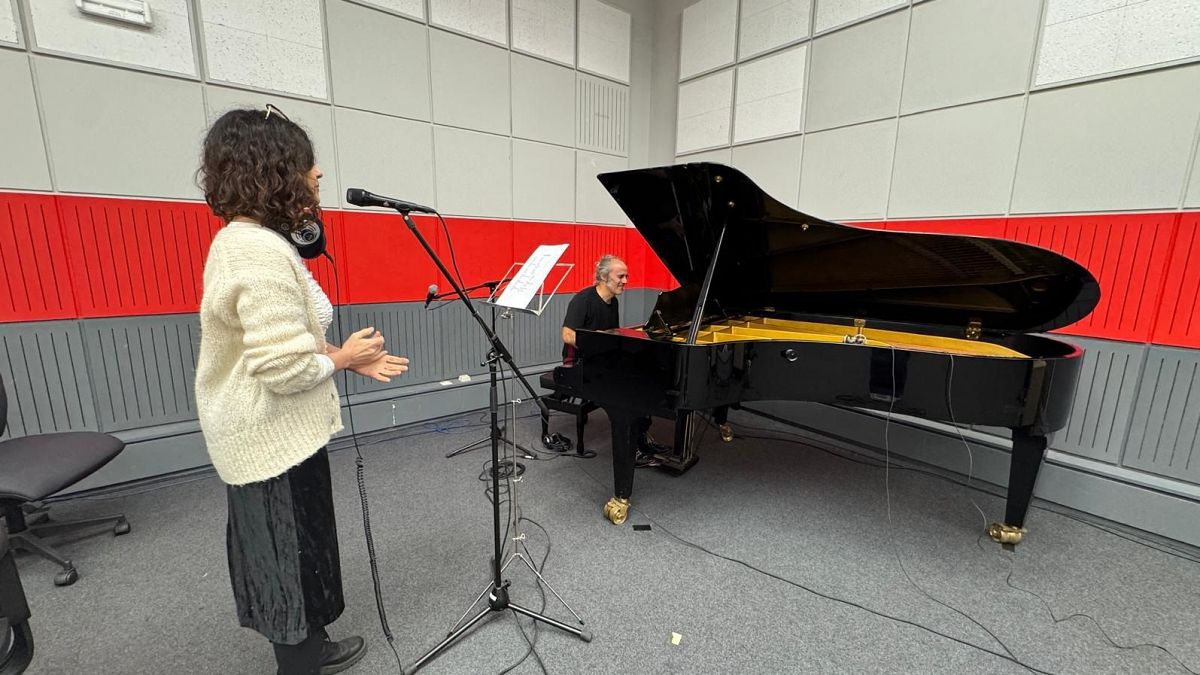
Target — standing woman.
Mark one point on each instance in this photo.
(265, 394)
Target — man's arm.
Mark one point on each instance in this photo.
(568, 336)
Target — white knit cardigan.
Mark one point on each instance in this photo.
(265, 401)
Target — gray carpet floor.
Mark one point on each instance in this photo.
(807, 569)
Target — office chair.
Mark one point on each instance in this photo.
(36, 466)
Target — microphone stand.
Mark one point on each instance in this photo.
(497, 591)
(491, 286)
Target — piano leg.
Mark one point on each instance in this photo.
(625, 432)
(1028, 451)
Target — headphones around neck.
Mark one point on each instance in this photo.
(309, 236)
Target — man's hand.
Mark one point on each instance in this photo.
(383, 368)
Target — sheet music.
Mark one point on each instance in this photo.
(529, 279)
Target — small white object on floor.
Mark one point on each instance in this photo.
(676, 638)
(464, 378)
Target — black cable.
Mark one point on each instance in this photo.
(819, 594)
(360, 477)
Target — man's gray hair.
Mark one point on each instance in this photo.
(604, 266)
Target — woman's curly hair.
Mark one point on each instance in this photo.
(255, 164)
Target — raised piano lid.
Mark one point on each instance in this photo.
(773, 257)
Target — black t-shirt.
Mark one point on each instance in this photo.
(588, 311)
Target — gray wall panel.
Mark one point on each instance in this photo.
(855, 73)
(845, 172)
(956, 162)
(1104, 400)
(1193, 192)
(774, 166)
(593, 204)
(24, 166)
(142, 369)
(603, 115)
(377, 61)
(968, 50)
(543, 181)
(370, 148)
(1165, 432)
(1109, 145)
(474, 172)
(113, 131)
(45, 374)
(470, 83)
(543, 101)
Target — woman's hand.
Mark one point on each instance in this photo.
(360, 349)
(383, 368)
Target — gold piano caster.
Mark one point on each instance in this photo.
(1006, 534)
(617, 510)
(726, 432)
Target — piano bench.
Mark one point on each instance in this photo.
(564, 402)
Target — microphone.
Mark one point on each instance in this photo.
(360, 197)
(429, 295)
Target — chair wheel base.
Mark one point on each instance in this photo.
(122, 527)
(66, 577)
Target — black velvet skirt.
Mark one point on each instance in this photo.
(283, 552)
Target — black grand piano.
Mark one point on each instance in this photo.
(775, 304)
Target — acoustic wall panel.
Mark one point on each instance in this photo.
(474, 173)
(1192, 197)
(855, 74)
(1083, 39)
(44, 368)
(770, 96)
(543, 101)
(705, 109)
(1126, 253)
(537, 340)
(370, 148)
(1104, 400)
(603, 116)
(604, 40)
(543, 181)
(470, 83)
(156, 157)
(707, 37)
(995, 228)
(278, 45)
(720, 156)
(316, 119)
(24, 166)
(774, 166)
(167, 45)
(1179, 313)
(958, 161)
(374, 236)
(486, 19)
(960, 52)
(593, 204)
(35, 282)
(378, 62)
(441, 342)
(1164, 435)
(143, 369)
(413, 8)
(9, 30)
(545, 28)
(135, 257)
(476, 251)
(834, 13)
(845, 172)
(1148, 125)
(767, 24)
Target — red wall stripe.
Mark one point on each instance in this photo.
(1127, 253)
(1178, 320)
(35, 279)
(78, 257)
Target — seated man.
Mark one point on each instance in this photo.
(596, 308)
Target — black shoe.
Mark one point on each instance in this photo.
(642, 460)
(341, 655)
